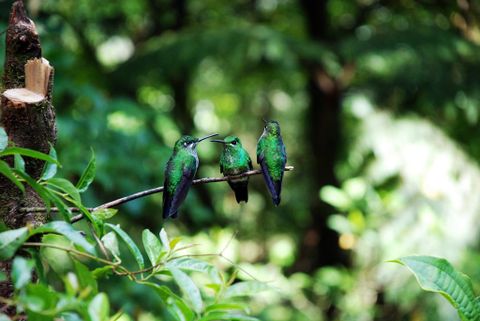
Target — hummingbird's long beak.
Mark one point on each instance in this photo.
(217, 141)
(203, 138)
(265, 121)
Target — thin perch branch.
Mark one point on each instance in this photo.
(147, 192)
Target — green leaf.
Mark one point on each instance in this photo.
(102, 271)
(39, 298)
(226, 307)
(3, 139)
(4, 317)
(3, 276)
(104, 213)
(437, 275)
(99, 308)
(59, 260)
(19, 163)
(246, 288)
(130, 244)
(50, 169)
(190, 264)
(11, 240)
(164, 239)
(175, 304)
(6, 171)
(60, 204)
(110, 242)
(21, 272)
(68, 231)
(85, 278)
(66, 186)
(227, 316)
(88, 175)
(174, 242)
(29, 153)
(152, 246)
(188, 288)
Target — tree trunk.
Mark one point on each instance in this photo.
(28, 123)
(323, 131)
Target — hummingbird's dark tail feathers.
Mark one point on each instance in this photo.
(240, 189)
(274, 186)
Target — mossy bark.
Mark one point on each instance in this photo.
(27, 125)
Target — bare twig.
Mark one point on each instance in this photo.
(141, 194)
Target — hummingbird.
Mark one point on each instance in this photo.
(179, 173)
(272, 157)
(234, 160)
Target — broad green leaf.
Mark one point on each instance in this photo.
(104, 213)
(68, 231)
(437, 275)
(29, 153)
(246, 288)
(99, 308)
(88, 175)
(227, 316)
(3, 139)
(130, 244)
(85, 278)
(188, 288)
(65, 186)
(59, 260)
(110, 242)
(226, 307)
(50, 169)
(72, 286)
(164, 239)
(11, 240)
(6, 171)
(19, 163)
(60, 204)
(190, 264)
(152, 246)
(21, 272)
(39, 298)
(175, 304)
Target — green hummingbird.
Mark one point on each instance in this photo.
(272, 157)
(234, 160)
(179, 173)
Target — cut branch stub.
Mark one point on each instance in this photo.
(26, 112)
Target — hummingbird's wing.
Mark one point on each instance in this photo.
(177, 183)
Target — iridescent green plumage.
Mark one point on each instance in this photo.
(179, 174)
(272, 157)
(235, 160)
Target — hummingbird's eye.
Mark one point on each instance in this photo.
(185, 144)
(234, 143)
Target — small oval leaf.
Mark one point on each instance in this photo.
(152, 246)
(130, 244)
(21, 272)
(3, 139)
(50, 169)
(188, 288)
(88, 174)
(99, 308)
(11, 240)
(245, 288)
(104, 213)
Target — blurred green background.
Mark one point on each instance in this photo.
(378, 104)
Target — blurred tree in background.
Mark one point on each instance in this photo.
(378, 103)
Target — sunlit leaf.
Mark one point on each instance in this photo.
(85, 278)
(68, 231)
(246, 288)
(21, 272)
(19, 163)
(191, 264)
(50, 169)
(99, 308)
(438, 275)
(3, 139)
(88, 175)
(188, 288)
(227, 316)
(164, 239)
(226, 307)
(11, 240)
(130, 244)
(58, 260)
(152, 246)
(111, 243)
(104, 213)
